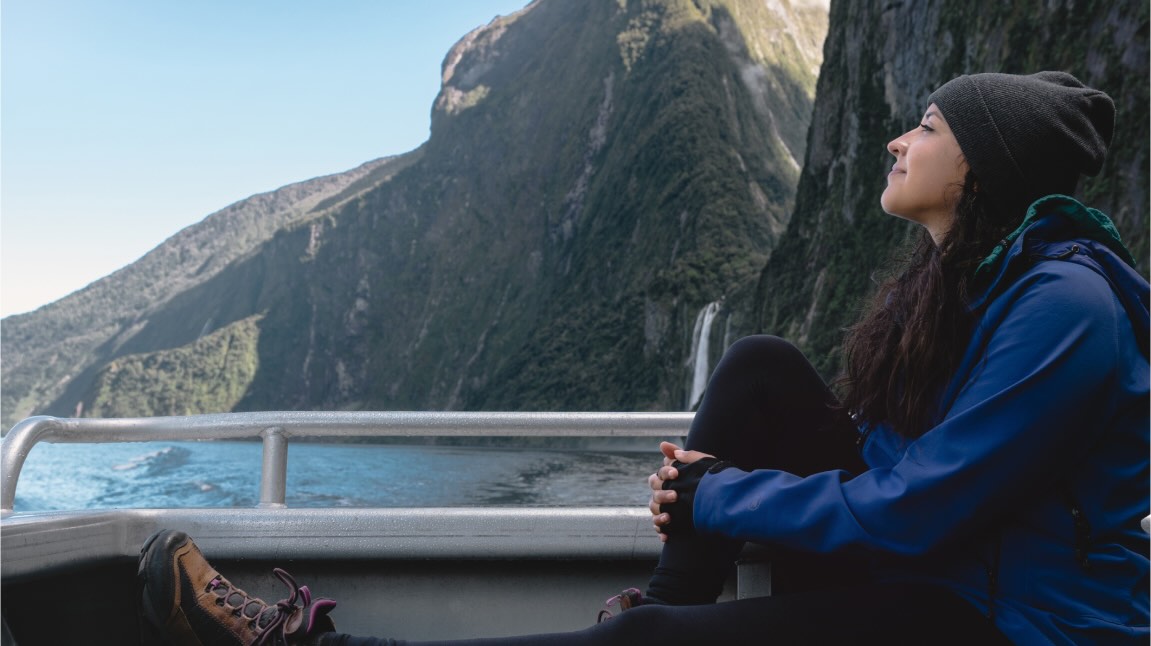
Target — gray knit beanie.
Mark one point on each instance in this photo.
(1027, 136)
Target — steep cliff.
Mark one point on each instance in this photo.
(882, 60)
(597, 173)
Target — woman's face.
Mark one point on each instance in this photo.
(927, 178)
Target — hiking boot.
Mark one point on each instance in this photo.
(627, 600)
(186, 601)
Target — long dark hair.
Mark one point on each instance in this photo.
(912, 335)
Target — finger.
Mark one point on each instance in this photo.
(656, 481)
(667, 473)
(660, 498)
(687, 457)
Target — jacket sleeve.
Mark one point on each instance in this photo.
(1033, 399)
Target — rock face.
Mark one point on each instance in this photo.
(882, 61)
(597, 173)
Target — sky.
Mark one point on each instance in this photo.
(125, 121)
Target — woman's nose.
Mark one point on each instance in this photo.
(896, 146)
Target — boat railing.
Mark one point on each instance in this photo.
(275, 429)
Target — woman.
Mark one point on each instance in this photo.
(983, 477)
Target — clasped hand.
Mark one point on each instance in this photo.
(661, 518)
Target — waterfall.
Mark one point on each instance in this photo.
(700, 346)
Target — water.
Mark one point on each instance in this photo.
(227, 474)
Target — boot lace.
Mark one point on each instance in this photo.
(269, 620)
(626, 600)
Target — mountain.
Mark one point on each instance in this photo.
(597, 173)
(882, 60)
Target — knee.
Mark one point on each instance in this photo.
(761, 350)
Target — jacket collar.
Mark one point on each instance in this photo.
(1052, 218)
(1057, 227)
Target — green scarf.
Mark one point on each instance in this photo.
(1088, 223)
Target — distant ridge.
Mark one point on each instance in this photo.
(45, 349)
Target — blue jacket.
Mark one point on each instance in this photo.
(1025, 499)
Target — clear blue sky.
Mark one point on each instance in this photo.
(124, 121)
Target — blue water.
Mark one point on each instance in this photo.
(227, 474)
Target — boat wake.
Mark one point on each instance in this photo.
(157, 462)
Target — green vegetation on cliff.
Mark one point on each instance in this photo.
(209, 375)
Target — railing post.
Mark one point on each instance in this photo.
(274, 472)
(14, 449)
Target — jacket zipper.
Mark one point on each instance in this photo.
(1062, 255)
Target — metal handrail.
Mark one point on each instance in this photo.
(275, 429)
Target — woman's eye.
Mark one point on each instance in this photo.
(926, 127)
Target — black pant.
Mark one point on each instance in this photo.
(767, 408)
(889, 614)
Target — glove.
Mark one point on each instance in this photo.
(680, 511)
